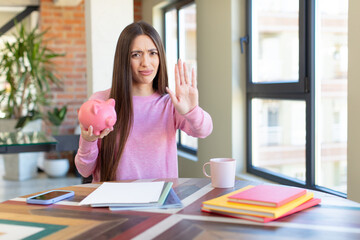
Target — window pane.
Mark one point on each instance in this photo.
(275, 41)
(278, 136)
(7, 14)
(331, 93)
(187, 46)
(187, 38)
(171, 43)
(188, 141)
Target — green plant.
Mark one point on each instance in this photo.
(27, 68)
(31, 116)
(57, 115)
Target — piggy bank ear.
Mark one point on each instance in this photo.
(111, 101)
(95, 108)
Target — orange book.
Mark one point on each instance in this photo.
(222, 204)
(268, 195)
(307, 204)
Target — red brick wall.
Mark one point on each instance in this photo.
(137, 10)
(67, 28)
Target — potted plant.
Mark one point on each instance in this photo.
(28, 71)
(56, 117)
(60, 166)
(26, 77)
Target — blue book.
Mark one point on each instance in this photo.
(172, 201)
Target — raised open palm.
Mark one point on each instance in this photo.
(186, 96)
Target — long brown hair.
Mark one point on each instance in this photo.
(112, 146)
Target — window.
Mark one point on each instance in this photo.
(180, 42)
(297, 92)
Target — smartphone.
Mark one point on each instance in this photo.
(50, 197)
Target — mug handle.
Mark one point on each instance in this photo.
(204, 170)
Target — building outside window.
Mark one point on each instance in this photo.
(297, 92)
(180, 42)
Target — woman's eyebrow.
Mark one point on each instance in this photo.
(140, 51)
(136, 51)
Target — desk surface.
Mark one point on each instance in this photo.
(335, 218)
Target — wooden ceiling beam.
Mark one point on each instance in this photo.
(19, 3)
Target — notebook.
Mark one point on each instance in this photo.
(172, 201)
(221, 203)
(306, 205)
(268, 195)
(128, 194)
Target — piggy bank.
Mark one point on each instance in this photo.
(97, 113)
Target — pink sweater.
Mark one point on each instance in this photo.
(150, 151)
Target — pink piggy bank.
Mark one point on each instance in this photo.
(97, 113)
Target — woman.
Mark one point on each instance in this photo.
(142, 143)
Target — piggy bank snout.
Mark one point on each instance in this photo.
(110, 121)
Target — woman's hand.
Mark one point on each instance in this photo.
(186, 96)
(89, 136)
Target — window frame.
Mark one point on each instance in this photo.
(303, 90)
(177, 5)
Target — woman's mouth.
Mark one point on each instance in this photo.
(146, 72)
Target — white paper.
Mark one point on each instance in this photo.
(124, 193)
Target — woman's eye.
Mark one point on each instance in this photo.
(134, 55)
(154, 53)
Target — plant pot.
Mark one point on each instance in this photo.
(7, 125)
(21, 166)
(33, 126)
(56, 167)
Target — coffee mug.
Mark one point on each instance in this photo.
(222, 172)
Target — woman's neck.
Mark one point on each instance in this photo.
(144, 90)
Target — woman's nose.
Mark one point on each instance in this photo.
(145, 60)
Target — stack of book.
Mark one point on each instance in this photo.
(262, 203)
(133, 196)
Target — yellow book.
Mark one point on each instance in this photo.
(222, 204)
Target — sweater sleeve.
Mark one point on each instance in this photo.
(85, 159)
(196, 123)
(87, 154)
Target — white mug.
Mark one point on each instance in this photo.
(222, 172)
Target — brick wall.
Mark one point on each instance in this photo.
(137, 10)
(67, 28)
